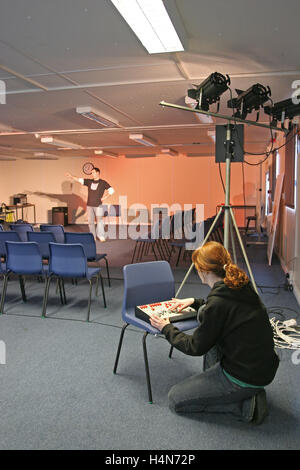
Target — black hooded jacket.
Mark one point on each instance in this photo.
(236, 321)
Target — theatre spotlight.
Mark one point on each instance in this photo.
(283, 110)
(249, 100)
(209, 91)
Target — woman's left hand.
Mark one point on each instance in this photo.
(158, 322)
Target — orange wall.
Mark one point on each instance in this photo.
(161, 179)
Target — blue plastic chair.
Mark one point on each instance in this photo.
(57, 230)
(1, 228)
(69, 261)
(7, 236)
(23, 259)
(146, 283)
(22, 230)
(42, 239)
(86, 239)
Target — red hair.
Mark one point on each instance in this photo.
(213, 257)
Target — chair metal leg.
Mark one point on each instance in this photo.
(5, 281)
(89, 301)
(141, 251)
(102, 287)
(119, 347)
(132, 259)
(48, 280)
(147, 367)
(107, 270)
(171, 252)
(21, 280)
(63, 290)
(60, 291)
(179, 253)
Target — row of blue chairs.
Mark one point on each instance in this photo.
(143, 283)
(65, 261)
(54, 234)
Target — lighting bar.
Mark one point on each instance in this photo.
(168, 151)
(96, 116)
(151, 23)
(143, 139)
(60, 143)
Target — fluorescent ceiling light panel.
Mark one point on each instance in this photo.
(169, 151)
(105, 153)
(60, 143)
(96, 116)
(143, 139)
(42, 156)
(151, 23)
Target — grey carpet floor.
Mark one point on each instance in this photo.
(58, 390)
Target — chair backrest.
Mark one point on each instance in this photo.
(42, 239)
(24, 257)
(57, 230)
(7, 236)
(22, 230)
(67, 260)
(146, 283)
(86, 239)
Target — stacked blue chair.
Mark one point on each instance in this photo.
(42, 239)
(153, 239)
(57, 230)
(147, 283)
(86, 239)
(22, 230)
(7, 236)
(23, 259)
(69, 261)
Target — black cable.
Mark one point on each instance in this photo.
(243, 176)
(222, 181)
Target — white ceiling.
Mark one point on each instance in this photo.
(59, 54)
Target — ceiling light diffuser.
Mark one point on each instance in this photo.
(151, 23)
(60, 143)
(96, 116)
(169, 151)
(143, 139)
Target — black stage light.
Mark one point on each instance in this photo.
(210, 90)
(283, 110)
(248, 100)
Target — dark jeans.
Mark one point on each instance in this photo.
(212, 392)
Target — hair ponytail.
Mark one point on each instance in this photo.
(213, 257)
(235, 278)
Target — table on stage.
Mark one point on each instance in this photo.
(238, 207)
(20, 207)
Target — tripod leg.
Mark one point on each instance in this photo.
(232, 241)
(203, 243)
(243, 250)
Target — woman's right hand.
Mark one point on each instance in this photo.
(180, 304)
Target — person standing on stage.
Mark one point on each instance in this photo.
(98, 191)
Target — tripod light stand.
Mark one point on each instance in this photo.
(229, 218)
